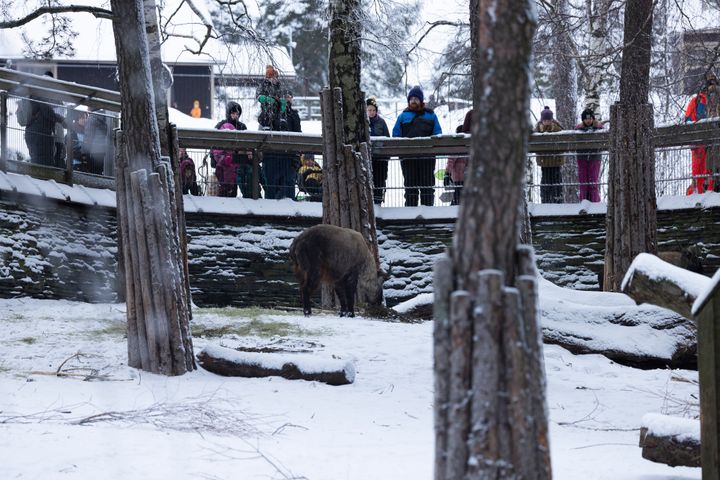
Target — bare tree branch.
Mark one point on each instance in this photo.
(96, 11)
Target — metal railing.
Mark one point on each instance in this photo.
(415, 167)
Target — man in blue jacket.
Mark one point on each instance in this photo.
(417, 121)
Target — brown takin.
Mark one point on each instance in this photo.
(340, 258)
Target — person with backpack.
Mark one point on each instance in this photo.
(417, 120)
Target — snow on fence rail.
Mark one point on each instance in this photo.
(671, 145)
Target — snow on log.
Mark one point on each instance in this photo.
(231, 363)
(670, 440)
(651, 280)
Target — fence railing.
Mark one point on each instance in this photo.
(405, 171)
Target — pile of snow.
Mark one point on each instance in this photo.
(668, 426)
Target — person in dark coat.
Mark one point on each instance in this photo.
(188, 176)
(80, 157)
(310, 177)
(241, 159)
(97, 137)
(40, 130)
(417, 121)
(589, 160)
(551, 190)
(279, 169)
(269, 93)
(378, 128)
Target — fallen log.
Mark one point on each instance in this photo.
(670, 440)
(652, 280)
(232, 363)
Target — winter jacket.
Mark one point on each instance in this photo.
(42, 118)
(545, 161)
(589, 154)
(238, 157)
(189, 182)
(378, 127)
(456, 168)
(225, 168)
(417, 124)
(696, 108)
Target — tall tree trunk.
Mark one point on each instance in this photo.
(632, 209)
(345, 44)
(160, 75)
(347, 171)
(597, 12)
(490, 411)
(565, 89)
(157, 307)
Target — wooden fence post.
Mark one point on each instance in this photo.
(708, 319)
(3, 130)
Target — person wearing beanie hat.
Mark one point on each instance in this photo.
(588, 161)
(697, 109)
(241, 160)
(551, 190)
(416, 92)
(418, 172)
(378, 128)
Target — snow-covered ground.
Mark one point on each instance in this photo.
(103, 420)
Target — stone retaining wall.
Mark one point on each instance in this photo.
(55, 249)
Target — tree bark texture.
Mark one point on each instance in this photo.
(347, 180)
(632, 207)
(158, 309)
(345, 67)
(597, 12)
(490, 410)
(565, 89)
(161, 82)
(708, 319)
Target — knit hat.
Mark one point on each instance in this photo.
(372, 101)
(416, 92)
(587, 113)
(270, 72)
(546, 114)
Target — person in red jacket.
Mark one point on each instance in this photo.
(697, 110)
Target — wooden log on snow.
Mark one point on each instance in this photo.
(652, 280)
(669, 440)
(231, 363)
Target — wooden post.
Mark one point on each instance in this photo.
(257, 156)
(708, 319)
(3, 130)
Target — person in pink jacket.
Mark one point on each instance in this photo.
(225, 169)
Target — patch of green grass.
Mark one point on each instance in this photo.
(29, 340)
(114, 329)
(247, 312)
(255, 328)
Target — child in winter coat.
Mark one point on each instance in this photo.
(225, 169)
(188, 178)
(310, 177)
(589, 160)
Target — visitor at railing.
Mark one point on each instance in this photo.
(697, 109)
(418, 173)
(310, 177)
(378, 128)
(226, 170)
(588, 161)
(39, 119)
(241, 165)
(456, 166)
(188, 178)
(550, 165)
(280, 169)
(97, 139)
(80, 157)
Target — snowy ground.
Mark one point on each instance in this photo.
(121, 423)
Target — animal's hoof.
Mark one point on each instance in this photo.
(351, 314)
(343, 314)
